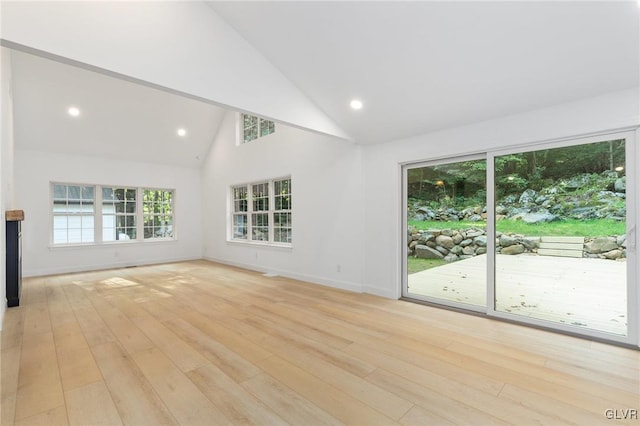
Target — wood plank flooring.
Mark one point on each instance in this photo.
(198, 343)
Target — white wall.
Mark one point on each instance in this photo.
(191, 49)
(328, 229)
(382, 166)
(6, 164)
(34, 170)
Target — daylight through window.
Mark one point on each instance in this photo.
(96, 214)
(261, 212)
(253, 127)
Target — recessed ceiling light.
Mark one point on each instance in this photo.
(356, 104)
(182, 132)
(73, 111)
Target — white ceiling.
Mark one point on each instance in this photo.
(119, 119)
(417, 66)
(422, 66)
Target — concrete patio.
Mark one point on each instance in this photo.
(589, 293)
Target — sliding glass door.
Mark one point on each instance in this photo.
(563, 217)
(446, 233)
(545, 234)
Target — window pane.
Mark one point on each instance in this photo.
(107, 194)
(87, 222)
(75, 235)
(60, 192)
(59, 236)
(60, 206)
(60, 222)
(108, 234)
(74, 192)
(87, 192)
(130, 207)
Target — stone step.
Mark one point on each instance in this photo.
(574, 240)
(559, 253)
(561, 246)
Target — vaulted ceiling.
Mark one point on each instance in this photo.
(416, 66)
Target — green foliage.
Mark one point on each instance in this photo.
(415, 264)
(568, 227)
(459, 184)
(438, 224)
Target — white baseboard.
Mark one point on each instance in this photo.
(38, 272)
(343, 285)
(388, 294)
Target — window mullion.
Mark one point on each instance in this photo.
(272, 206)
(97, 214)
(139, 214)
(250, 212)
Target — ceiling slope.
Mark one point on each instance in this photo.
(181, 46)
(118, 119)
(429, 65)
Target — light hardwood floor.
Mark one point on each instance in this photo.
(197, 343)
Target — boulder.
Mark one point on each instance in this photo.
(447, 232)
(506, 241)
(425, 237)
(613, 254)
(413, 244)
(537, 217)
(445, 241)
(466, 242)
(425, 252)
(442, 250)
(620, 185)
(600, 245)
(513, 249)
(457, 237)
(528, 196)
(474, 233)
(456, 250)
(481, 250)
(469, 250)
(480, 241)
(475, 218)
(530, 243)
(451, 257)
(434, 232)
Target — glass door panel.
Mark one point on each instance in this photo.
(560, 232)
(446, 233)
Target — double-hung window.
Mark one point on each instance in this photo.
(261, 212)
(118, 214)
(253, 127)
(157, 206)
(73, 214)
(97, 213)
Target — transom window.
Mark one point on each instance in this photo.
(253, 127)
(262, 212)
(97, 213)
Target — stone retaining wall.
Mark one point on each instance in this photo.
(457, 244)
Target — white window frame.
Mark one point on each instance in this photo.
(250, 213)
(98, 214)
(80, 215)
(261, 122)
(172, 214)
